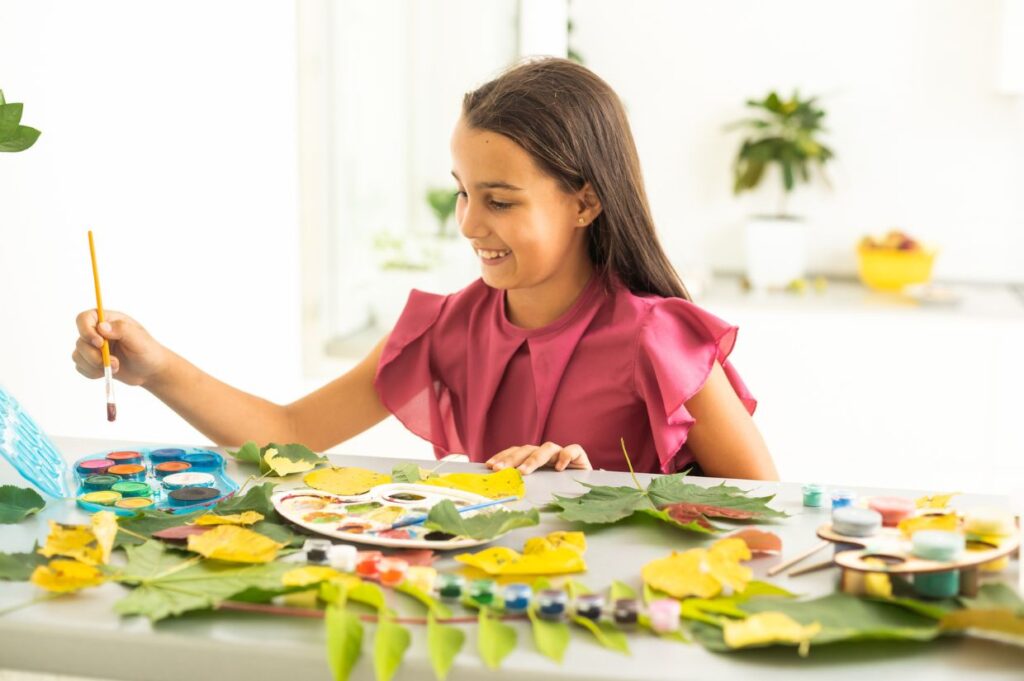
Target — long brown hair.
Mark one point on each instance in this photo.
(574, 126)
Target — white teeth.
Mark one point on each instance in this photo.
(491, 255)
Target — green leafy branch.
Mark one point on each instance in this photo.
(13, 135)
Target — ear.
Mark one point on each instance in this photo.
(588, 205)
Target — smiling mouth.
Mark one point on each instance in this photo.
(492, 255)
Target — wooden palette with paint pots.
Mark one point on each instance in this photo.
(894, 551)
(364, 518)
(172, 479)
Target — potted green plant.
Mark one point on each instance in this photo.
(458, 265)
(442, 202)
(13, 135)
(782, 139)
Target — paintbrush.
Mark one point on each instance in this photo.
(420, 519)
(105, 348)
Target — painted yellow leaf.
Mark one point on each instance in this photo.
(384, 515)
(235, 544)
(945, 521)
(64, 576)
(507, 482)
(935, 500)
(244, 518)
(556, 554)
(283, 466)
(73, 541)
(309, 575)
(769, 627)
(701, 572)
(346, 480)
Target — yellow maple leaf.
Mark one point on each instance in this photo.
(507, 482)
(935, 500)
(556, 554)
(701, 572)
(769, 627)
(345, 480)
(945, 521)
(104, 528)
(73, 541)
(235, 544)
(283, 466)
(64, 576)
(244, 518)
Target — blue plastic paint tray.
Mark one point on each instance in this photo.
(34, 456)
(198, 473)
(26, 447)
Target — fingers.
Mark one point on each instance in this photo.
(86, 323)
(509, 458)
(540, 456)
(572, 456)
(89, 361)
(113, 327)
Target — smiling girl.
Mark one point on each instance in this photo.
(578, 334)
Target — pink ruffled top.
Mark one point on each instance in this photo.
(616, 365)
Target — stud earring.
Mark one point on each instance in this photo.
(581, 221)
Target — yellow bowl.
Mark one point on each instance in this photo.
(889, 269)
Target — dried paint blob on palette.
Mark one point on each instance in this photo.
(174, 479)
(365, 518)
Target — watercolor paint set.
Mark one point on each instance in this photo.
(174, 479)
(366, 518)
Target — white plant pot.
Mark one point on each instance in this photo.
(776, 251)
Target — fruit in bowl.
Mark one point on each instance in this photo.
(894, 261)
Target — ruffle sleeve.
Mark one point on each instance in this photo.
(677, 346)
(405, 380)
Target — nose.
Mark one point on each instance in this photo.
(471, 221)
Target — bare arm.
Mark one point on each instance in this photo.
(334, 413)
(724, 439)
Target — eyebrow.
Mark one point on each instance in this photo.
(493, 185)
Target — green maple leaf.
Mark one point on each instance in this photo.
(170, 583)
(445, 517)
(18, 567)
(256, 499)
(17, 503)
(252, 453)
(668, 498)
(406, 472)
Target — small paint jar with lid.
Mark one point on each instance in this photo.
(450, 586)
(589, 606)
(842, 497)
(814, 496)
(342, 557)
(482, 591)
(368, 563)
(392, 571)
(516, 597)
(316, 550)
(552, 603)
(422, 577)
(626, 612)
(850, 521)
(664, 615)
(893, 509)
(941, 546)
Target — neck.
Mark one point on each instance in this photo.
(537, 306)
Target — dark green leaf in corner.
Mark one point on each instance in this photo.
(443, 643)
(17, 503)
(445, 517)
(256, 499)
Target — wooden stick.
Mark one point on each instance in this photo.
(793, 561)
(823, 565)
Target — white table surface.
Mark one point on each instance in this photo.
(81, 635)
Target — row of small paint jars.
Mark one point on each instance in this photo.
(514, 598)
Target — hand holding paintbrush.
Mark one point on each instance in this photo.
(105, 348)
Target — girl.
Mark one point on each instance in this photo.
(578, 334)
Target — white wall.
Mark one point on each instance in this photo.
(924, 141)
(169, 128)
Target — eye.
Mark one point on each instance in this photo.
(498, 205)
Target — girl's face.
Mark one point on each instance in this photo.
(526, 230)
